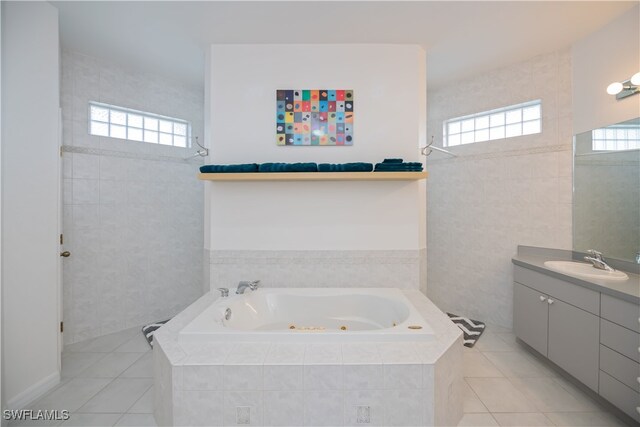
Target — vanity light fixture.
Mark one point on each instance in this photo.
(626, 88)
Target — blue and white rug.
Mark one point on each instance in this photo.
(472, 329)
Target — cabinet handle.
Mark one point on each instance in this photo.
(550, 301)
(543, 298)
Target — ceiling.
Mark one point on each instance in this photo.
(461, 38)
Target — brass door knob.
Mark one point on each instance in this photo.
(65, 254)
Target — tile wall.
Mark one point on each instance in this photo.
(133, 211)
(402, 269)
(497, 194)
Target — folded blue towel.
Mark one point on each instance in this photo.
(242, 168)
(392, 161)
(345, 167)
(288, 167)
(399, 167)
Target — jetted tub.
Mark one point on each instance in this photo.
(310, 315)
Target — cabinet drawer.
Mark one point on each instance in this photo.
(620, 395)
(579, 296)
(619, 311)
(620, 339)
(620, 367)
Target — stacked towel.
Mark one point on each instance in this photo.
(345, 167)
(243, 168)
(288, 167)
(392, 161)
(399, 167)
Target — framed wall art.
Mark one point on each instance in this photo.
(314, 117)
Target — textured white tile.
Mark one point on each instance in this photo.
(548, 395)
(500, 395)
(471, 402)
(137, 344)
(522, 419)
(110, 366)
(366, 377)
(87, 420)
(118, 396)
(286, 353)
(323, 377)
(144, 405)
(592, 419)
(250, 401)
(72, 395)
(402, 377)
(477, 420)
(248, 353)
(283, 408)
(323, 408)
(403, 408)
(476, 364)
(242, 377)
(202, 377)
(75, 363)
(136, 420)
(373, 399)
(323, 353)
(199, 408)
(283, 377)
(141, 368)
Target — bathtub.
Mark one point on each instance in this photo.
(310, 315)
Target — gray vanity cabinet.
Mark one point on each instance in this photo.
(574, 342)
(531, 317)
(556, 319)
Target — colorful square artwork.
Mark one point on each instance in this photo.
(314, 117)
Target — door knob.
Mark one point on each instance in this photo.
(65, 254)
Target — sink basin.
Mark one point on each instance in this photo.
(585, 270)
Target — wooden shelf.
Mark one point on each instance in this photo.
(314, 176)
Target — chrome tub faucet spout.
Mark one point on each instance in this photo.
(596, 259)
(243, 285)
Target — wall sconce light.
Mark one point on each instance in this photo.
(626, 88)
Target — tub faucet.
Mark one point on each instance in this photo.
(596, 259)
(253, 285)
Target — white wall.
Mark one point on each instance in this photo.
(30, 99)
(611, 54)
(132, 210)
(497, 194)
(390, 106)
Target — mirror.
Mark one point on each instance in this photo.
(606, 191)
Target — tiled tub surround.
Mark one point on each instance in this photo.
(404, 383)
(132, 210)
(339, 268)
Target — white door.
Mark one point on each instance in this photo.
(63, 254)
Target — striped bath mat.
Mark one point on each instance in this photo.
(149, 330)
(472, 329)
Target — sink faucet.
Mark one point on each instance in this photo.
(253, 285)
(595, 258)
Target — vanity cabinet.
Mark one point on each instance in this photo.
(565, 333)
(591, 335)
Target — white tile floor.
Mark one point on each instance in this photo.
(108, 381)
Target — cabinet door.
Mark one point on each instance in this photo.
(530, 317)
(574, 341)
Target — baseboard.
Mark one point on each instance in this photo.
(34, 392)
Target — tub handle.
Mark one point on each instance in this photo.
(224, 292)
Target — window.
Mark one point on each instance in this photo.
(624, 136)
(124, 123)
(507, 122)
